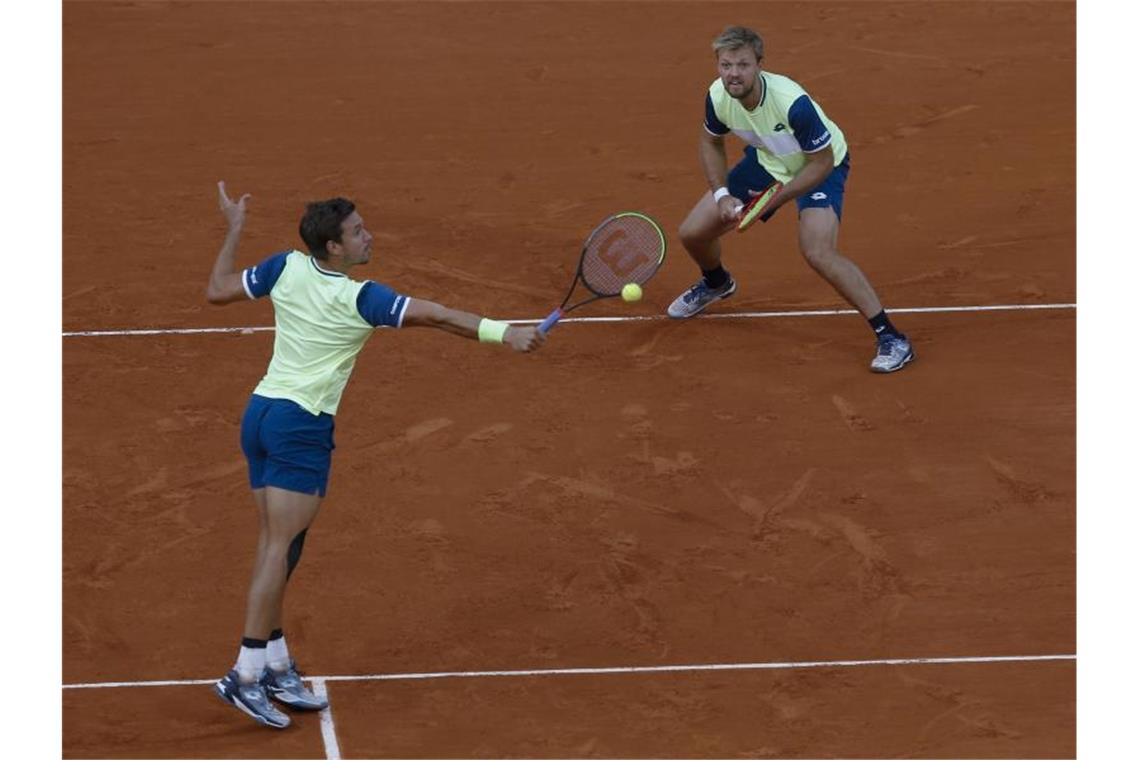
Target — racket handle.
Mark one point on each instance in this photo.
(550, 321)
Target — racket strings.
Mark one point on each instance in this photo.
(626, 249)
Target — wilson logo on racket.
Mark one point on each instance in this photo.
(621, 257)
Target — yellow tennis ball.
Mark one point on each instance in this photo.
(631, 292)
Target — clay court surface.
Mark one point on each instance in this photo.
(637, 494)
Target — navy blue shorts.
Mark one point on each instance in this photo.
(750, 175)
(286, 446)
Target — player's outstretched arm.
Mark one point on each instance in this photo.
(422, 313)
(225, 281)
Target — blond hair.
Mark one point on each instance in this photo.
(736, 37)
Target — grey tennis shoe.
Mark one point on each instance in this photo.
(895, 352)
(287, 688)
(694, 300)
(251, 699)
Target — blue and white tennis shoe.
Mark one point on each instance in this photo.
(694, 300)
(895, 352)
(251, 699)
(286, 687)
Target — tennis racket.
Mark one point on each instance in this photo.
(758, 209)
(625, 248)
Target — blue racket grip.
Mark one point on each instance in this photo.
(550, 321)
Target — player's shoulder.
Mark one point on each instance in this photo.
(305, 273)
(289, 259)
(719, 98)
(294, 266)
(261, 278)
(783, 87)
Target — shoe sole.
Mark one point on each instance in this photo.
(220, 691)
(906, 360)
(710, 303)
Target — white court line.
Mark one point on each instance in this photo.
(616, 670)
(328, 728)
(166, 331)
(649, 318)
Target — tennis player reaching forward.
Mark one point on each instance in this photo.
(323, 319)
(789, 140)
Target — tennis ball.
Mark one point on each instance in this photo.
(631, 292)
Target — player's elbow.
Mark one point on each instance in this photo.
(217, 296)
(449, 319)
(711, 144)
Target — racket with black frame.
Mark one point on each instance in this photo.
(625, 248)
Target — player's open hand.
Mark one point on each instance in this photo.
(234, 212)
(524, 338)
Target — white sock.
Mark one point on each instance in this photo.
(250, 663)
(277, 654)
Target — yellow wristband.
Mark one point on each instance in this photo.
(491, 331)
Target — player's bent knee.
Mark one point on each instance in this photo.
(697, 235)
(819, 257)
(688, 232)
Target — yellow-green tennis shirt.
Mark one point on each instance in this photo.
(323, 319)
(784, 126)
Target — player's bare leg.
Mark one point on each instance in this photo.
(263, 543)
(287, 514)
(819, 235)
(248, 686)
(700, 233)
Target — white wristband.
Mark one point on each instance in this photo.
(720, 193)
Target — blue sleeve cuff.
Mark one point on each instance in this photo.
(380, 306)
(713, 125)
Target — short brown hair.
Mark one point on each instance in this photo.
(736, 37)
(321, 224)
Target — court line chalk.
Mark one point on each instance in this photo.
(633, 669)
(647, 318)
(165, 331)
(328, 727)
